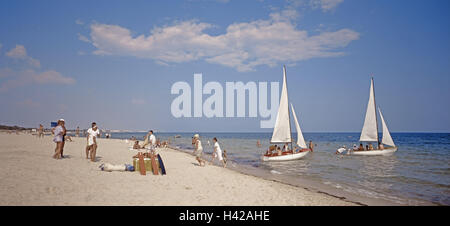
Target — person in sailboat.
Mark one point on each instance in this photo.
(355, 148)
(370, 147)
(286, 147)
(380, 146)
(361, 147)
(279, 152)
(271, 148)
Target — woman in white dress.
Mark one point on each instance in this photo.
(217, 153)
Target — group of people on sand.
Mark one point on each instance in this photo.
(60, 137)
(277, 150)
(149, 140)
(217, 153)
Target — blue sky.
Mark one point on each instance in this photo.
(114, 62)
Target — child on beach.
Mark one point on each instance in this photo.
(136, 145)
(217, 153)
(41, 131)
(225, 157)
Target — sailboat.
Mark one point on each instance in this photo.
(282, 133)
(369, 132)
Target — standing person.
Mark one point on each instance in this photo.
(311, 146)
(63, 124)
(198, 149)
(152, 139)
(41, 131)
(58, 139)
(77, 131)
(91, 147)
(380, 146)
(217, 152)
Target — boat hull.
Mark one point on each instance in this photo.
(387, 151)
(287, 157)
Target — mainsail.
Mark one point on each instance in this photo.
(387, 139)
(370, 131)
(282, 129)
(300, 140)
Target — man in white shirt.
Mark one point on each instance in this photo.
(152, 139)
(92, 134)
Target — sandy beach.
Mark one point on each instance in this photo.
(29, 176)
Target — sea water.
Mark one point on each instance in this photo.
(417, 174)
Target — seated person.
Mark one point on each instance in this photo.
(380, 146)
(355, 148)
(286, 147)
(370, 147)
(271, 148)
(279, 151)
(367, 147)
(68, 138)
(361, 147)
(136, 145)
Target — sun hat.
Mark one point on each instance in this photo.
(196, 136)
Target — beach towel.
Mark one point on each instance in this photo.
(110, 167)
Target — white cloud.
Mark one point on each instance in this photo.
(11, 79)
(22, 78)
(83, 38)
(243, 46)
(325, 5)
(20, 53)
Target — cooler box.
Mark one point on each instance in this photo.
(147, 163)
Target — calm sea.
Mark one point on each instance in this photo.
(417, 174)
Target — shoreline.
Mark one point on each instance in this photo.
(31, 177)
(308, 185)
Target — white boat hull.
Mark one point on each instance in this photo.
(287, 157)
(387, 151)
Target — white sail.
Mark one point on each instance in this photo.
(370, 132)
(387, 139)
(282, 129)
(300, 140)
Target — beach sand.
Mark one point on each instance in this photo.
(29, 176)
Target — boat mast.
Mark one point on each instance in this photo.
(375, 105)
(289, 113)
